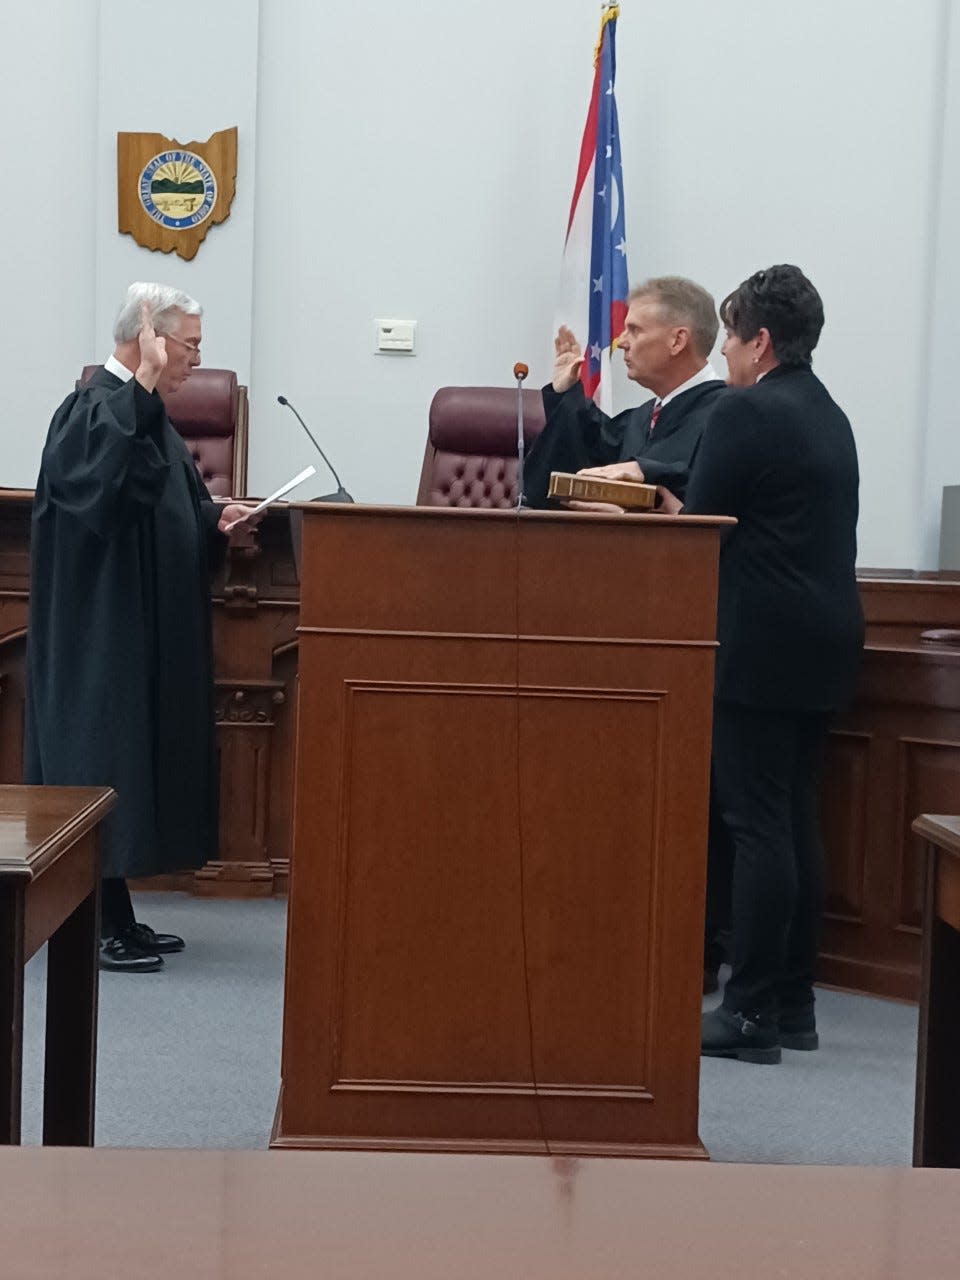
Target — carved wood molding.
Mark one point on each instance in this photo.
(248, 702)
(252, 873)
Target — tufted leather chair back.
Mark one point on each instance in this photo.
(471, 454)
(210, 412)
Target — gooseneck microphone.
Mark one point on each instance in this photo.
(520, 371)
(341, 494)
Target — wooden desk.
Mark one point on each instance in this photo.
(85, 1215)
(255, 607)
(895, 753)
(936, 1134)
(50, 892)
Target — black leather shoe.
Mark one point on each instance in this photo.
(116, 954)
(730, 1035)
(143, 938)
(798, 1028)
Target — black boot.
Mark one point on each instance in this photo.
(731, 1035)
(798, 1027)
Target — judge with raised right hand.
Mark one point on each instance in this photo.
(119, 667)
(669, 332)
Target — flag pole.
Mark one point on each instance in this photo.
(593, 276)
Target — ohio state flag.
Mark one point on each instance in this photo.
(593, 280)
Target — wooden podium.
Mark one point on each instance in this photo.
(496, 906)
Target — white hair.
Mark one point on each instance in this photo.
(162, 299)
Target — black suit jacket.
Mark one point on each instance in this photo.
(578, 434)
(780, 456)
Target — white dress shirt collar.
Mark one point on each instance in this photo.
(706, 374)
(113, 365)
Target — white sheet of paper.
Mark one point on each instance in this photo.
(305, 474)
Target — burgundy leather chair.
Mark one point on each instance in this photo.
(210, 412)
(471, 454)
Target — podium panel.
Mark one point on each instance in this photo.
(495, 928)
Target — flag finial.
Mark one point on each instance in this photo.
(611, 11)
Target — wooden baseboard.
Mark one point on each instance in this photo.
(280, 1141)
(213, 881)
(869, 979)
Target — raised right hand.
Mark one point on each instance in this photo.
(568, 360)
(153, 350)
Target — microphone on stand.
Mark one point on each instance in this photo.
(520, 371)
(341, 494)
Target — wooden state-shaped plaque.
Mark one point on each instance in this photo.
(169, 194)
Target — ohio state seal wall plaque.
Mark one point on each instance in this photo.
(170, 193)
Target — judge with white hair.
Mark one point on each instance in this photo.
(119, 667)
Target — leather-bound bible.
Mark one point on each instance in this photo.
(629, 494)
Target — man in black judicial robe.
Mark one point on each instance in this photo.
(119, 670)
(669, 332)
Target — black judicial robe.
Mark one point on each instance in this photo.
(578, 434)
(119, 667)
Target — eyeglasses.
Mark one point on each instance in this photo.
(191, 346)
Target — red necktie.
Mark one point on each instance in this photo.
(653, 418)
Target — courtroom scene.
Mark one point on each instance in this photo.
(480, 641)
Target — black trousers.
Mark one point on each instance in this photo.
(765, 767)
(116, 909)
(716, 948)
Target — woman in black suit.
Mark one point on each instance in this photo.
(778, 454)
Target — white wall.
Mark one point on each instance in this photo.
(417, 161)
(436, 157)
(185, 69)
(816, 126)
(940, 443)
(47, 268)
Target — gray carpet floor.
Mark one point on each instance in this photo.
(189, 1057)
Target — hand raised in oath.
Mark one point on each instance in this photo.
(153, 351)
(568, 360)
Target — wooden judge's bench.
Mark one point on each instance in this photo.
(256, 602)
(893, 755)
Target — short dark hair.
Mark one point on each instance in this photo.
(783, 301)
(682, 302)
